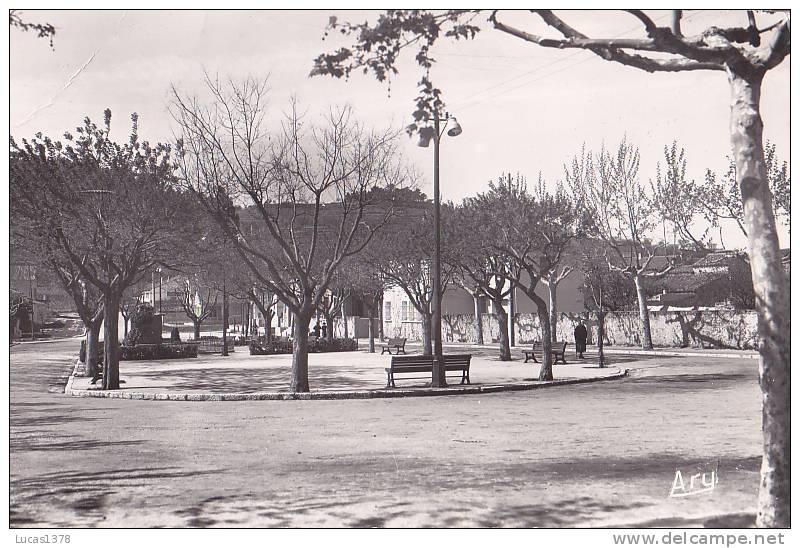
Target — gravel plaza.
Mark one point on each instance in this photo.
(488, 460)
(240, 373)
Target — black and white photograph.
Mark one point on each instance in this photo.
(278, 268)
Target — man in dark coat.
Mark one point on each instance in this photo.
(580, 338)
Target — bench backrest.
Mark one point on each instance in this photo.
(413, 362)
(396, 342)
(457, 360)
(557, 345)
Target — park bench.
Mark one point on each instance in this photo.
(424, 364)
(558, 349)
(397, 343)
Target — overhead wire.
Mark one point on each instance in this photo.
(466, 104)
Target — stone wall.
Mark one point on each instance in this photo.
(706, 328)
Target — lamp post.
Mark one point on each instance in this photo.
(158, 269)
(30, 290)
(426, 135)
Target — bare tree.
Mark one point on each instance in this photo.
(720, 198)
(305, 188)
(31, 246)
(481, 265)
(621, 213)
(339, 291)
(404, 257)
(683, 202)
(604, 290)
(534, 235)
(678, 199)
(198, 301)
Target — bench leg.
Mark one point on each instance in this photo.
(403, 350)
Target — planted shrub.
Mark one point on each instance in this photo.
(163, 351)
(169, 351)
(260, 346)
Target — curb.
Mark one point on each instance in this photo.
(743, 354)
(332, 395)
(753, 356)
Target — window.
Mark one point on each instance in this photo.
(408, 313)
(387, 311)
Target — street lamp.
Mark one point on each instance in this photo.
(426, 136)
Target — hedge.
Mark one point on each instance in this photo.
(163, 351)
(260, 346)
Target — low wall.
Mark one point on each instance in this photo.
(696, 329)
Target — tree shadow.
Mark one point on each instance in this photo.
(267, 379)
(22, 445)
(84, 492)
(568, 512)
(694, 330)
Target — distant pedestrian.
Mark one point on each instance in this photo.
(316, 330)
(580, 338)
(324, 331)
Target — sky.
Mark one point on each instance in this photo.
(523, 108)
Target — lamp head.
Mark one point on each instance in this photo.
(454, 131)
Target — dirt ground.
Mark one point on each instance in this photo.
(601, 454)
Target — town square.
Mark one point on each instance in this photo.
(401, 269)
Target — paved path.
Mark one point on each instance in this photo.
(241, 373)
(595, 454)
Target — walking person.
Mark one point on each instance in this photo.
(580, 338)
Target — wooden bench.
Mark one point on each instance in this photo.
(558, 349)
(424, 364)
(398, 344)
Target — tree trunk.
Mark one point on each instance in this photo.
(512, 313)
(379, 304)
(125, 321)
(268, 326)
(111, 342)
(502, 320)
(196, 329)
(370, 329)
(344, 321)
(224, 322)
(329, 326)
(427, 344)
(300, 353)
(551, 290)
(478, 320)
(644, 315)
(601, 331)
(772, 299)
(546, 372)
(92, 340)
